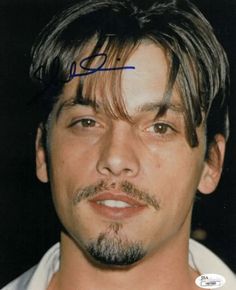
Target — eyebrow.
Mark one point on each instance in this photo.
(74, 101)
(155, 106)
(147, 107)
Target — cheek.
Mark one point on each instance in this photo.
(69, 157)
(174, 173)
(71, 167)
(173, 179)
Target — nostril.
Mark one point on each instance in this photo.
(116, 170)
(127, 170)
(113, 185)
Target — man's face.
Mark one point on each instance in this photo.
(124, 189)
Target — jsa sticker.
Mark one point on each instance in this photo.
(210, 281)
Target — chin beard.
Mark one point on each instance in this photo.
(114, 251)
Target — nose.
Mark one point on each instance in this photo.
(118, 154)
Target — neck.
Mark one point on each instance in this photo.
(166, 269)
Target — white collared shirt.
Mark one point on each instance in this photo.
(200, 258)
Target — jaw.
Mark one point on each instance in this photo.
(159, 268)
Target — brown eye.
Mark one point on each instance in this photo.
(160, 128)
(87, 123)
(84, 123)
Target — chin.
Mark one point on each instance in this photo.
(115, 251)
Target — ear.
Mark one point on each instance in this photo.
(213, 165)
(41, 160)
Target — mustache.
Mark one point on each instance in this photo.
(127, 187)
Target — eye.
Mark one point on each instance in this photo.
(160, 128)
(84, 123)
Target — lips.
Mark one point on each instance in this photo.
(116, 205)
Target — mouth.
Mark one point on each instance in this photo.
(116, 205)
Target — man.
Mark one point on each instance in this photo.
(134, 123)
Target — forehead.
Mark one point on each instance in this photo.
(148, 82)
(145, 85)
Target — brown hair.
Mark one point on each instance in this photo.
(197, 62)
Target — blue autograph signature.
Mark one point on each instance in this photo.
(55, 69)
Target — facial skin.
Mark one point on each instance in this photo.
(106, 157)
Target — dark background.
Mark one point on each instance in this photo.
(28, 224)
